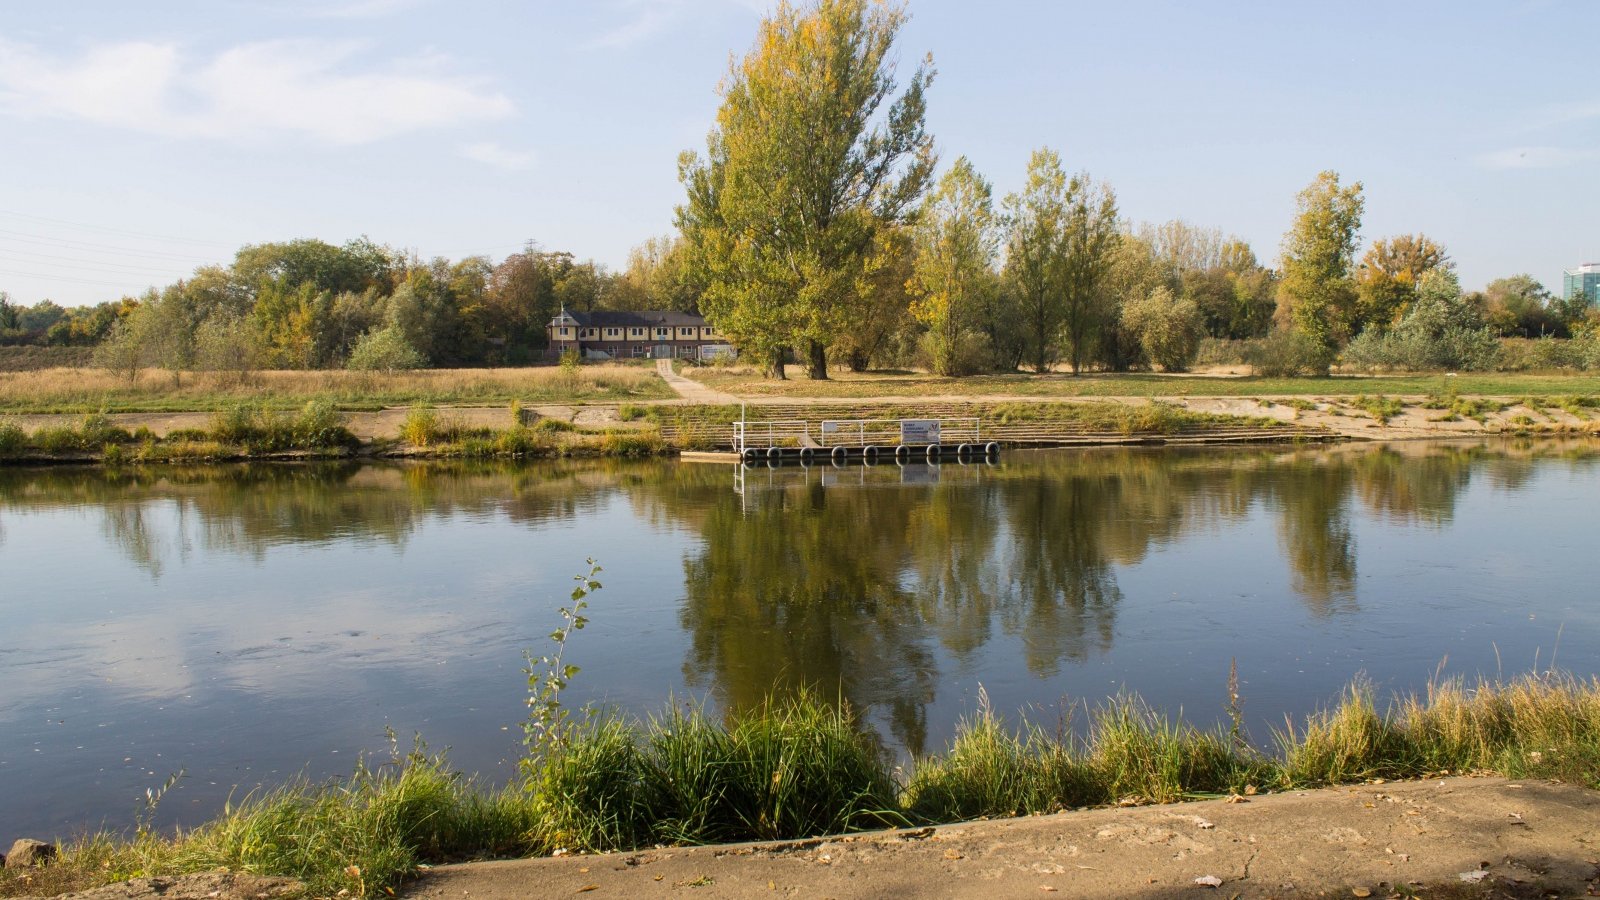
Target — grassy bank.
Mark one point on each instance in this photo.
(316, 431)
(803, 767)
(435, 433)
(748, 382)
(152, 390)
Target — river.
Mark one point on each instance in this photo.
(246, 624)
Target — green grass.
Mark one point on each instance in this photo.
(804, 766)
(242, 431)
(1380, 408)
(362, 834)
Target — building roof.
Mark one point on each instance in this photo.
(643, 318)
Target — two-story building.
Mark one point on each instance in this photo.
(620, 334)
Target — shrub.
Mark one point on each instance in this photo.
(421, 427)
(1442, 330)
(1167, 328)
(633, 442)
(238, 424)
(1286, 353)
(320, 425)
(385, 350)
(97, 431)
(55, 439)
(13, 440)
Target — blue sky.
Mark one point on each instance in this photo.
(140, 140)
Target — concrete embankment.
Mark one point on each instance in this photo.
(1455, 837)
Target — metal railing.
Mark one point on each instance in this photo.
(762, 435)
(849, 433)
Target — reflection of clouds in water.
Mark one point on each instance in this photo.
(257, 644)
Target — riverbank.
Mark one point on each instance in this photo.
(319, 431)
(800, 767)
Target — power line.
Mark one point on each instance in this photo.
(30, 258)
(29, 238)
(115, 284)
(109, 230)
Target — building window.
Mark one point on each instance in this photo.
(565, 332)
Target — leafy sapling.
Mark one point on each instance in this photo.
(544, 732)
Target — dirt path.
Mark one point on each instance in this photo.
(689, 389)
(1362, 841)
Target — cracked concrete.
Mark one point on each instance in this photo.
(1381, 839)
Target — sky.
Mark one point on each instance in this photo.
(138, 141)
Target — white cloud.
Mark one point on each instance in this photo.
(312, 88)
(491, 153)
(1535, 157)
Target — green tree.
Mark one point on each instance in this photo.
(1090, 237)
(1133, 272)
(228, 343)
(385, 350)
(1182, 248)
(160, 331)
(10, 315)
(356, 266)
(956, 242)
(1443, 329)
(1317, 295)
(1519, 305)
(805, 163)
(1167, 327)
(1391, 269)
(1036, 254)
(659, 276)
(882, 299)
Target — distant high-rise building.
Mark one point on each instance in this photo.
(1585, 278)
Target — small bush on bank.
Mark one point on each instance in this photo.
(13, 440)
(318, 426)
(1287, 353)
(640, 442)
(421, 427)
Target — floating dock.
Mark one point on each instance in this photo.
(864, 440)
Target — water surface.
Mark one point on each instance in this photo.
(247, 624)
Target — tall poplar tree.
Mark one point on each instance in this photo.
(1317, 295)
(1035, 253)
(1090, 237)
(956, 241)
(812, 153)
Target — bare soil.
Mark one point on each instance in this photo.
(1455, 837)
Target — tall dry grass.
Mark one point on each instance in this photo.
(154, 390)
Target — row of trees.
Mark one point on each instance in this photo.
(816, 224)
(310, 304)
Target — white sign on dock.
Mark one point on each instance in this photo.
(919, 431)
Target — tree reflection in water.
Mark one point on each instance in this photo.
(872, 583)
